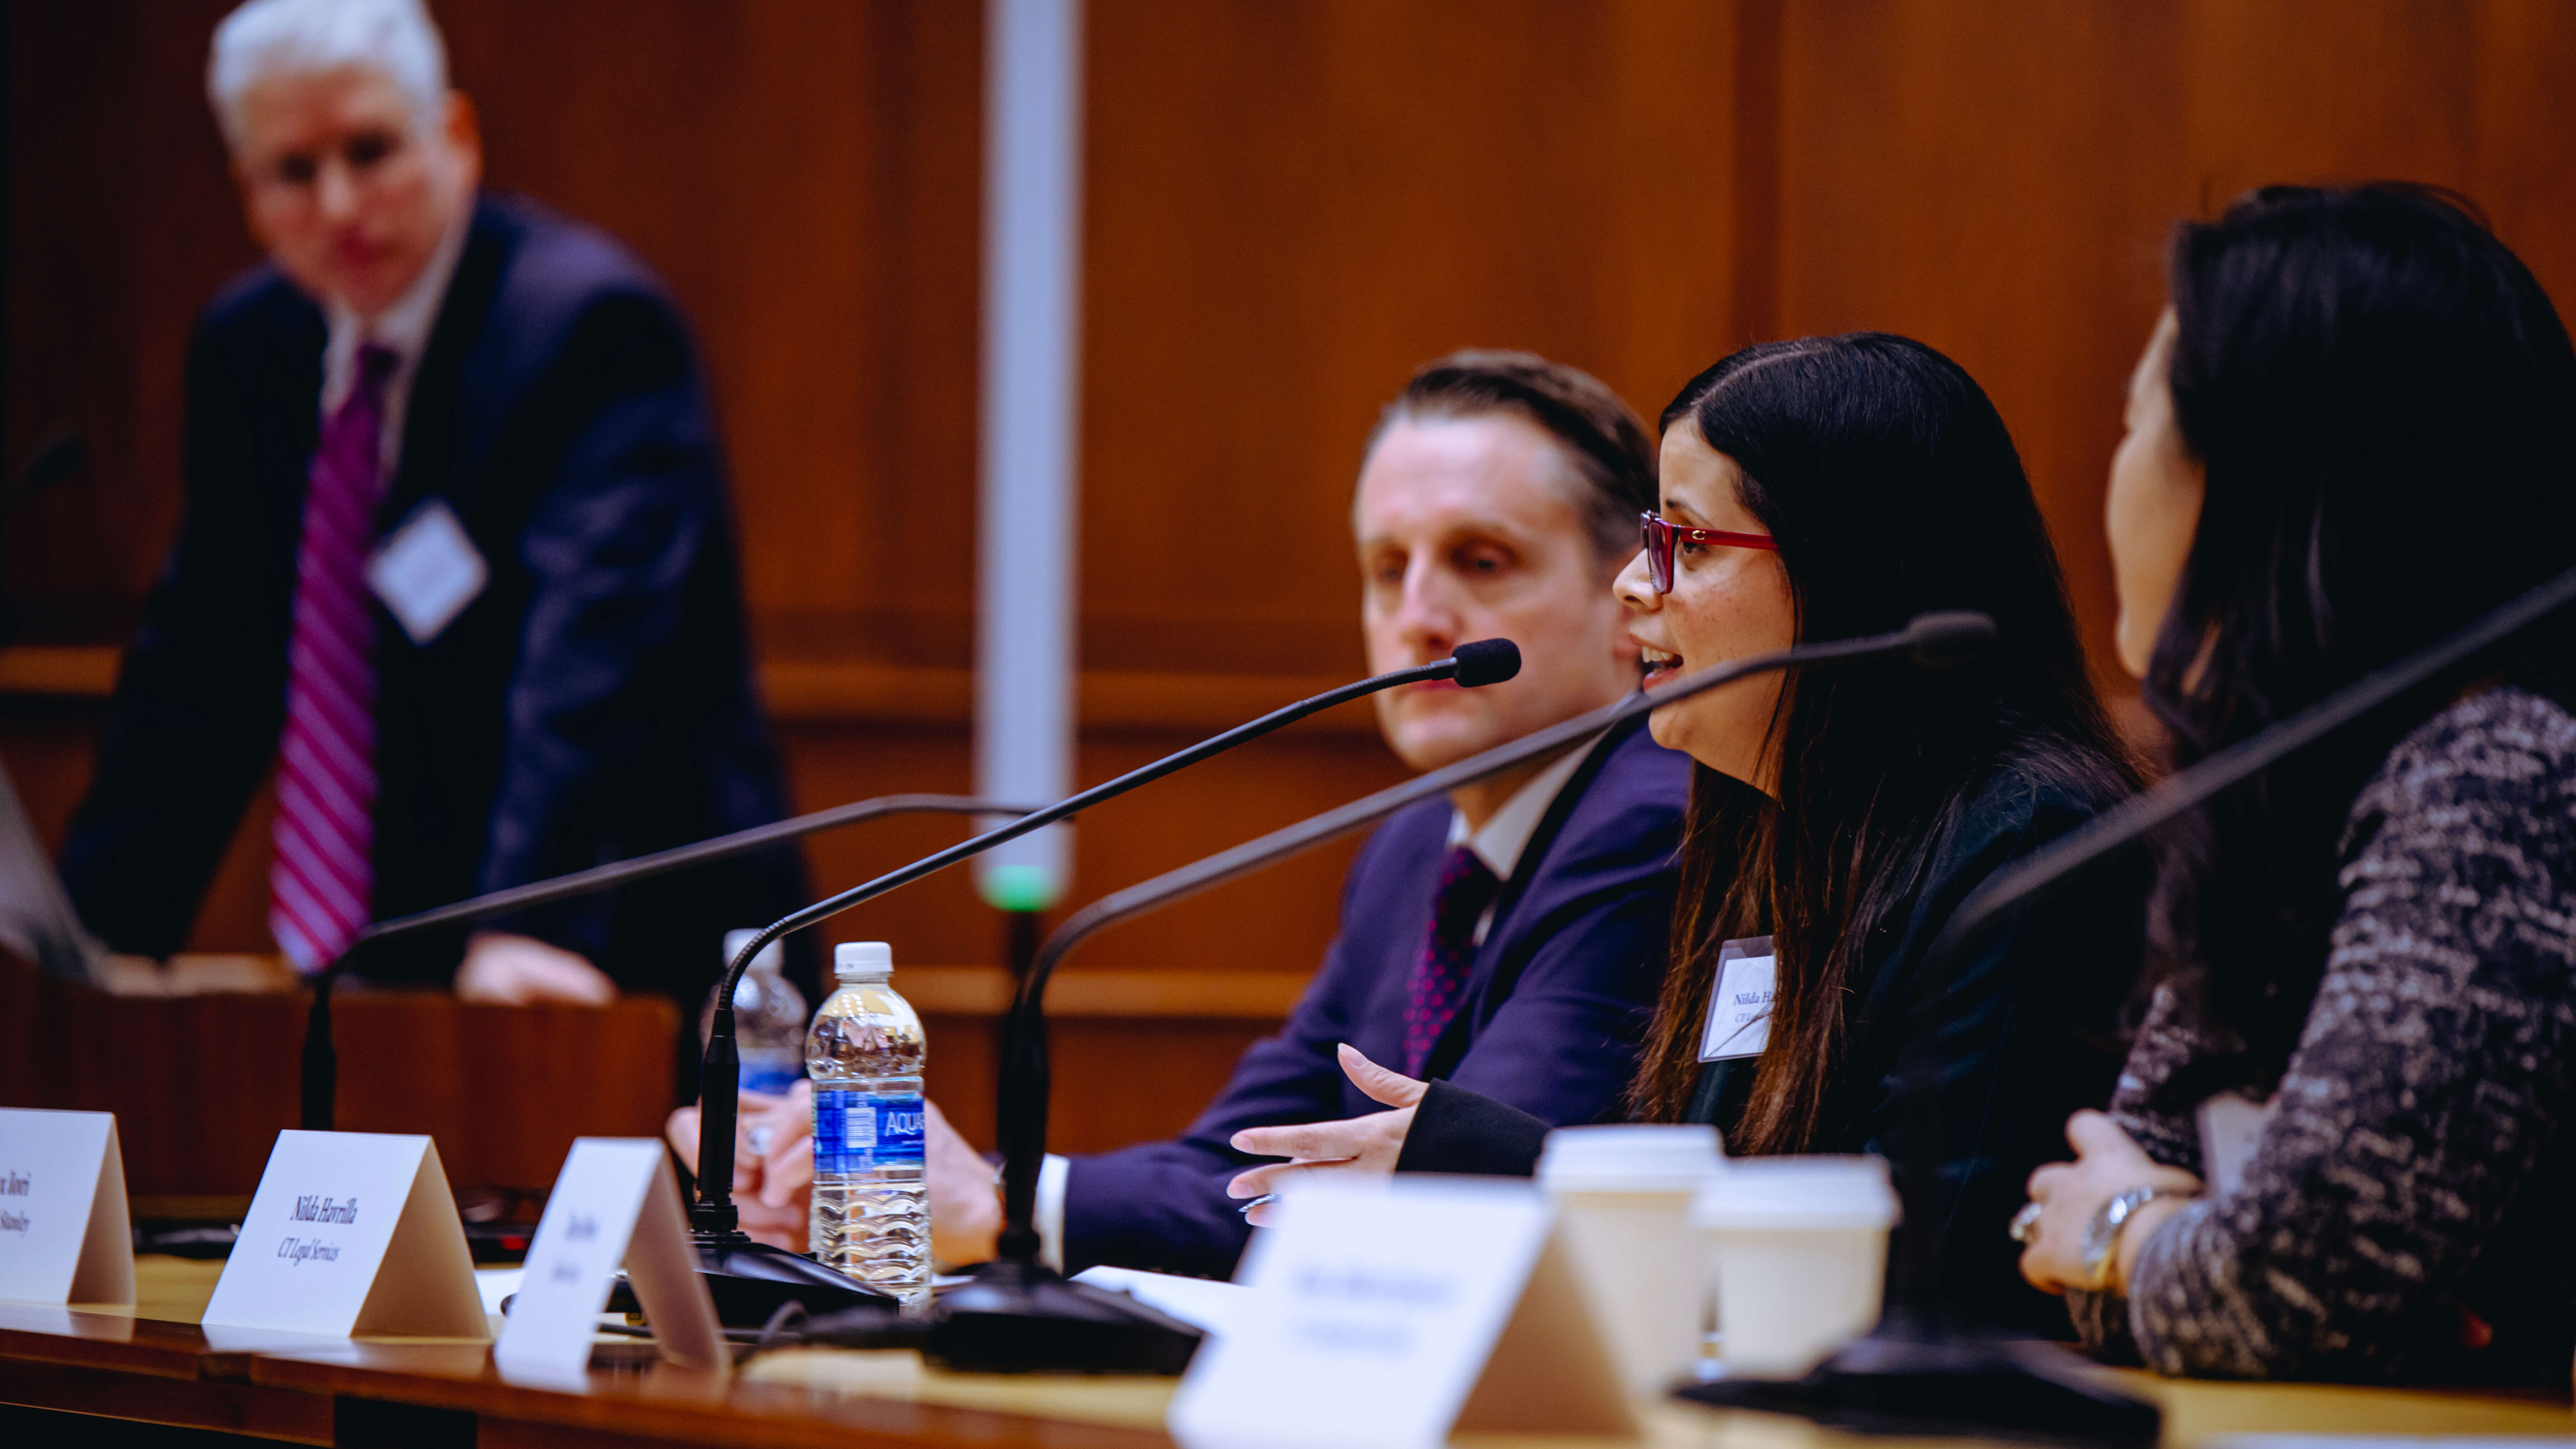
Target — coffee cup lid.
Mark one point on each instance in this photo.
(1798, 1192)
(1630, 1157)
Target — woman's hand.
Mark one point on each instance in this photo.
(773, 1162)
(2071, 1194)
(1366, 1145)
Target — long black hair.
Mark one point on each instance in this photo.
(1893, 488)
(2382, 397)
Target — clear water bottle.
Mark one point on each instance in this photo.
(871, 1216)
(768, 1018)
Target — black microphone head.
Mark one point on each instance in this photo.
(1486, 661)
(1949, 639)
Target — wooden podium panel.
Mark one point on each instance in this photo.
(201, 1085)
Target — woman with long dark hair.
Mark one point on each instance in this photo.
(1814, 490)
(2339, 1148)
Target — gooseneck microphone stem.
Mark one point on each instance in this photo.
(1936, 640)
(711, 1213)
(723, 847)
(2044, 869)
(321, 1068)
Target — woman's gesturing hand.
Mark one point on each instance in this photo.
(1367, 1144)
(2070, 1194)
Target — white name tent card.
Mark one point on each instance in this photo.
(1385, 1317)
(351, 1233)
(1739, 1006)
(64, 1235)
(614, 1203)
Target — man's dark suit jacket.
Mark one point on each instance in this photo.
(1554, 1009)
(593, 702)
(1967, 1078)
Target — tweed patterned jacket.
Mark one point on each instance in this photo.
(2408, 1209)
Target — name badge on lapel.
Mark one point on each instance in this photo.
(427, 570)
(1739, 1010)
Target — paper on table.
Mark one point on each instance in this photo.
(496, 1285)
(1201, 1303)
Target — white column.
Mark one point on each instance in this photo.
(1025, 670)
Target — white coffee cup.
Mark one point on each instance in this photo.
(1799, 1247)
(1623, 1198)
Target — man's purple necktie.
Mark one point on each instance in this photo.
(322, 878)
(1440, 972)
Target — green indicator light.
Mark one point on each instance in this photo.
(1018, 887)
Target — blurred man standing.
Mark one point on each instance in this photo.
(456, 558)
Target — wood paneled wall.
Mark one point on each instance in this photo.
(1287, 206)
(1997, 179)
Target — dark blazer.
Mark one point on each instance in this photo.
(1971, 1076)
(1555, 1007)
(593, 702)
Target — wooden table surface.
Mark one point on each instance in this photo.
(153, 1363)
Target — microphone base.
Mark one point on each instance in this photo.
(1020, 1317)
(752, 1281)
(1918, 1380)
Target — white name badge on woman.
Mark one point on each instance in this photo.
(614, 1203)
(351, 1233)
(64, 1237)
(1386, 1316)
(1739, 1005)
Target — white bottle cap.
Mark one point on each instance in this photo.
(863, 961)
(767, 960)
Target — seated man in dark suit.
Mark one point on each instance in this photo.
(456, 559)
(1509, 938)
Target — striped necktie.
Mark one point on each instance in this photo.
(1440, 971)
(322, 877)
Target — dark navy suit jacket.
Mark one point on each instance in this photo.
(1555, 1007)
(1966, 1077)
(594, 702)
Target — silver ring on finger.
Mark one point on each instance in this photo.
(2024, 1227)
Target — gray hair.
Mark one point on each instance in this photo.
(267, 38)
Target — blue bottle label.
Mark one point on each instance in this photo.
(854, 1132)
(777, 1081)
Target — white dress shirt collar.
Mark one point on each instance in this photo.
(403, 327)
(1506, 834)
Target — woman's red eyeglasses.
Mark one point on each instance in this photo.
(1661, 536)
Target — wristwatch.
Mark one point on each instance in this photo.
(2102, 1235)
